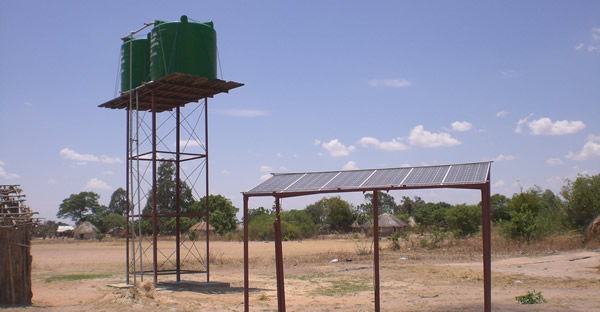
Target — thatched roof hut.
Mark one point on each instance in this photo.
(200, 228)
(388, 224)
(85, 230)
(356, 228)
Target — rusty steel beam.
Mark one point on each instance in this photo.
(154, 198)
(207, 190)
(279, 258)
(246, 269)
(376, 250)
(127, 195)
(178, 196)
(487, 245)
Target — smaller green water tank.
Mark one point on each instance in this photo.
(183, 47)
(139, 48)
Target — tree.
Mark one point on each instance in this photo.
(81, 207)
(385, 204)
(111, 221)
(165, 196)
(118, 202)
(499, 207)
(339, 214)
(298, 225)
(317, 211)
(221, 212)
(252, 213)
(428, 214)
(582, 200)
(464, 219)
(523, 209)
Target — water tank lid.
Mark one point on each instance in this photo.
(184, 19)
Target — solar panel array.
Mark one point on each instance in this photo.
(458, 174)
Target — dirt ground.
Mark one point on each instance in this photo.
(410, 281)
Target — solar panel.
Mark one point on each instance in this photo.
(276, 183)
(467, 173)
(348, 179)
(426, 175)
(446, 175)
(312, 181)
(387, 177)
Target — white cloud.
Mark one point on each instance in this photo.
(247, 113)
(2, 163)
(70, 154)
(393, 83)
(7, 176)
(593, 49)
(501, 114)
(591, 149)
(107, 172)
(420, 137)
(283, 168)
(337, 149)
(189, 143)
(266, 169)
(579, 46)
(545, 126)
(351, 165)
(225, 172)
(461, 126)
(393, 145)
(554, 161)
(510, 73)
(521, 123)
(279, 155)
(498, 184)
(52, 181)
(596, 34)
(97, 184)
(503, 157)
(317, 142)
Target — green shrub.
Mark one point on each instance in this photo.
(532, 297)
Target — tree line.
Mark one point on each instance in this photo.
(532, 214)
(85, 207)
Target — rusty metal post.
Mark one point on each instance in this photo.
(246, 269)
(376, 251)
(154, 198)
(177, 197)
(279, 258)
(487, 246)
(127, 195)
(207, 190)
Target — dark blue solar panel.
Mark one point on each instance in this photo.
(387, 177)
(426, 175)
(475, 173)
(467, 173)
(348, 179)
(276, 183)
(312, 181)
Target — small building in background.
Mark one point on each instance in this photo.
(85, 230)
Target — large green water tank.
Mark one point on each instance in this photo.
(139, 48)
(183, 47)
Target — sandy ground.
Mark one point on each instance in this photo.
(570, 281)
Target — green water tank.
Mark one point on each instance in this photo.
(139, 48)
(183, 47)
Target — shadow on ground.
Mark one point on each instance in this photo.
(212, 288)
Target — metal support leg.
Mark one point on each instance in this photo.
(376, 250)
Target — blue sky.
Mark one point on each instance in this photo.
(329, 85)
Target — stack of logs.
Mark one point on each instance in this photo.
(16, 222)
